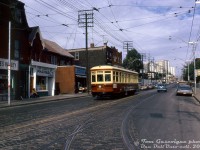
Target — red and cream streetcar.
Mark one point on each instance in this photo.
(111, 80)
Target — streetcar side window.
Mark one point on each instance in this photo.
(129, 78)
(132, 79)
(120, 76)
(114, 77)
(117, 76)
(107, 76)
(93, 77)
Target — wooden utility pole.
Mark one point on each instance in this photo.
(85, 19)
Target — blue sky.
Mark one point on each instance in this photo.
(148, 23)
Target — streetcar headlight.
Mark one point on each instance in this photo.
(114, 85)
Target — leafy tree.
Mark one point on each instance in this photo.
(133, 60)
(191, 70)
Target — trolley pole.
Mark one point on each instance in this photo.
(85, 19)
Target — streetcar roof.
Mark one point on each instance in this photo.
(105, 67)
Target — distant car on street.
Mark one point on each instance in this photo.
(184, 90)
(143, 87)
(161, 88)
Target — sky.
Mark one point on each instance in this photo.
(160, 29)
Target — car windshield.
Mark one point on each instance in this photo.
(161, 84)
(185, 88)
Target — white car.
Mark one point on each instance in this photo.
(184, 90)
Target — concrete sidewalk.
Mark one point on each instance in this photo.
(197, 95)
(4, 104)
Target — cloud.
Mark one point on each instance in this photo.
(148, 23)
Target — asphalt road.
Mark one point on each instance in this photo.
(148, 120)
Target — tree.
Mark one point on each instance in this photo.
(133, 61)
(191, 70)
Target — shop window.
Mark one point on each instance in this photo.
(3, 85)
(41, 83)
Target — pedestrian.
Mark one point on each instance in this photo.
(34, 93)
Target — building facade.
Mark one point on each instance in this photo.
(75, 79)
(33, 59)
(103, 55)
(13, 11)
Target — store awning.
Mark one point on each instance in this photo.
(80, 76)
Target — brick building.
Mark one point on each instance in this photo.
(13, 11)
(102, 55)
(33, 59)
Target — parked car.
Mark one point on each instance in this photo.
(161, 87)
(184, 90)
(150, 86)
(143, 87)
(82, 89)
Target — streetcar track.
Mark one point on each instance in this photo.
(41, 124)
(72, 136)
(32, 127)
(58, 118)
(131, 145)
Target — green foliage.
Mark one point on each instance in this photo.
(133, 61)
(191, 70)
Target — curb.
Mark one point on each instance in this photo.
(197, 99)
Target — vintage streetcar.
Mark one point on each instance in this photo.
(113, 81)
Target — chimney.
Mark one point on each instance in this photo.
(91, 45)
(105, 44)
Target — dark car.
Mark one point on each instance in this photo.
(161, 87)
(184, 90)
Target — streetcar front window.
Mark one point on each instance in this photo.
(100, 78)
(93, 76)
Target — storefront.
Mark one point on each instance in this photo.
(42, 78)
(80, 79)
(4, 78)
(71, 79)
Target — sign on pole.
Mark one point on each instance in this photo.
(197, 72)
